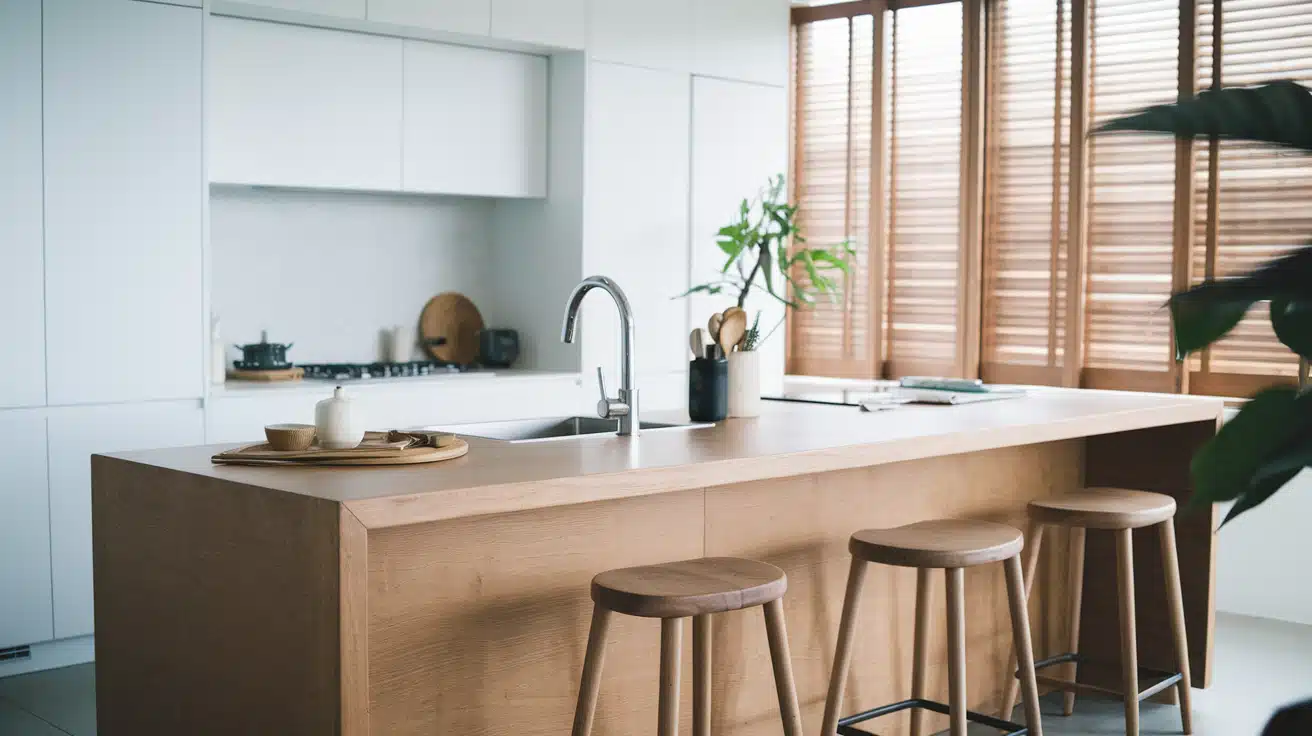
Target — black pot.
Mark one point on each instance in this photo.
(708, 389)
(263, 355)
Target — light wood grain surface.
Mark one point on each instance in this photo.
(789, 439)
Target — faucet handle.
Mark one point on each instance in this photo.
(608, 408)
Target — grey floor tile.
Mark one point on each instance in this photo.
(16, 722)
(65, 697)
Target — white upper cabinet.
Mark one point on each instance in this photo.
(559, 23)
(307, 107)
(22, 307)
(25, 608)
(636, 215)
(123, 199)
(75, 434)
(339, 8)
(475, 121)
(457, 16)
(741, 39)
(650, 33)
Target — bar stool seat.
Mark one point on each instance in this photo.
(1104, 508)
(938, 543)
(671, 592)
(689, 587)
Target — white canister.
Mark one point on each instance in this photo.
(744, 383)
(400, 342)
(334, 426)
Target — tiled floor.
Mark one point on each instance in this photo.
(1259, 664)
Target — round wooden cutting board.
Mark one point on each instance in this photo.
(454, 317)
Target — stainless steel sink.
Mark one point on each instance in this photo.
(551, 428)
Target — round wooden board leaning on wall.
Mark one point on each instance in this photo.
(453, 316)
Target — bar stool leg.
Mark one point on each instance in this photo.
(590, 685)
(1077, 601)
(1129, 646)
(701, 675)
(920, 650)
(1020, 632)
(671, 644)
(1032, 546)
(856, 577)
(783, 668)
(956, 585)
(1175, 602)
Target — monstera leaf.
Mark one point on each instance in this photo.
(1279, 113)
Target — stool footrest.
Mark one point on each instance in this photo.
(847, 726)
(1167, 678)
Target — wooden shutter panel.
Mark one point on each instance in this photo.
(1250, 200)
(1027, 169)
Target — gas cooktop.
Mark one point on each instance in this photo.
(362, 371)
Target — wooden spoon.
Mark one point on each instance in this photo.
(713, 326)
(732, 330)
(732, 310)
(697, 342)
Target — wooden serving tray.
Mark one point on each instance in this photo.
(283, 374)
(378, 448)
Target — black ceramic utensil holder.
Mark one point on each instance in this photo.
(708, 389)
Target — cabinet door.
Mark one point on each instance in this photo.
(458, 16)
(739, 141)
(75, 434)
(25, 544)
(642, 32)
(123, 199)
(22, 307)
(559, 23)
(305, 107)
(340, 8)
(636, 218)
(475, 121)
(741, 39)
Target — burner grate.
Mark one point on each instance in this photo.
(363, 371)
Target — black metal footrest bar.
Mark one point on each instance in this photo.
(1168, 678)
(847, 726)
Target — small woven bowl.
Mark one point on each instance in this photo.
(290, 437)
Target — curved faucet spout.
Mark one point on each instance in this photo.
(628, 394)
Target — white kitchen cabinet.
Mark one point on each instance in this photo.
(75, 434)
(559, 23)
(741, 39)
(340, 8)
(123, 199)
(642, 32)
(475, 121)
(733, 161)
(303, 107)
(22, 308)
(458, 16)
(636, 215)
(25, 610)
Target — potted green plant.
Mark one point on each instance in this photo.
(766, 253)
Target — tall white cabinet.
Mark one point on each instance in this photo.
(123, 201)
(22, 313)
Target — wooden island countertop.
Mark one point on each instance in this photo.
(453, 598)
(788, 439)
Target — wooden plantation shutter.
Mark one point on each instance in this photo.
(1027, 192)
(832, 121)
(1250, 201)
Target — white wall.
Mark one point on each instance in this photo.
(1262, 557)
(328, 271)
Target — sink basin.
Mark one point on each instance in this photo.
(552, 428)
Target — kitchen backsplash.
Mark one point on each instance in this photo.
(328, 270)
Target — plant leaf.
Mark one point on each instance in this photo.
(1255, 496)
(1225, 467)
(1292, 321)
(1279, 113)
(703, 289)
(1204, 314)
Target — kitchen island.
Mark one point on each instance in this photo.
(453, 598)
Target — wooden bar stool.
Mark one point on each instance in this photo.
(928, 545)
(671, 592)
(1120, 511)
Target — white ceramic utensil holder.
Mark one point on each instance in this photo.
(745, 383)
(335, 428)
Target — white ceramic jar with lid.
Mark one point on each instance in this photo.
(334, 426)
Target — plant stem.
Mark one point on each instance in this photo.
(760, 260)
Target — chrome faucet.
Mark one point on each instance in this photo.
(625, 408)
